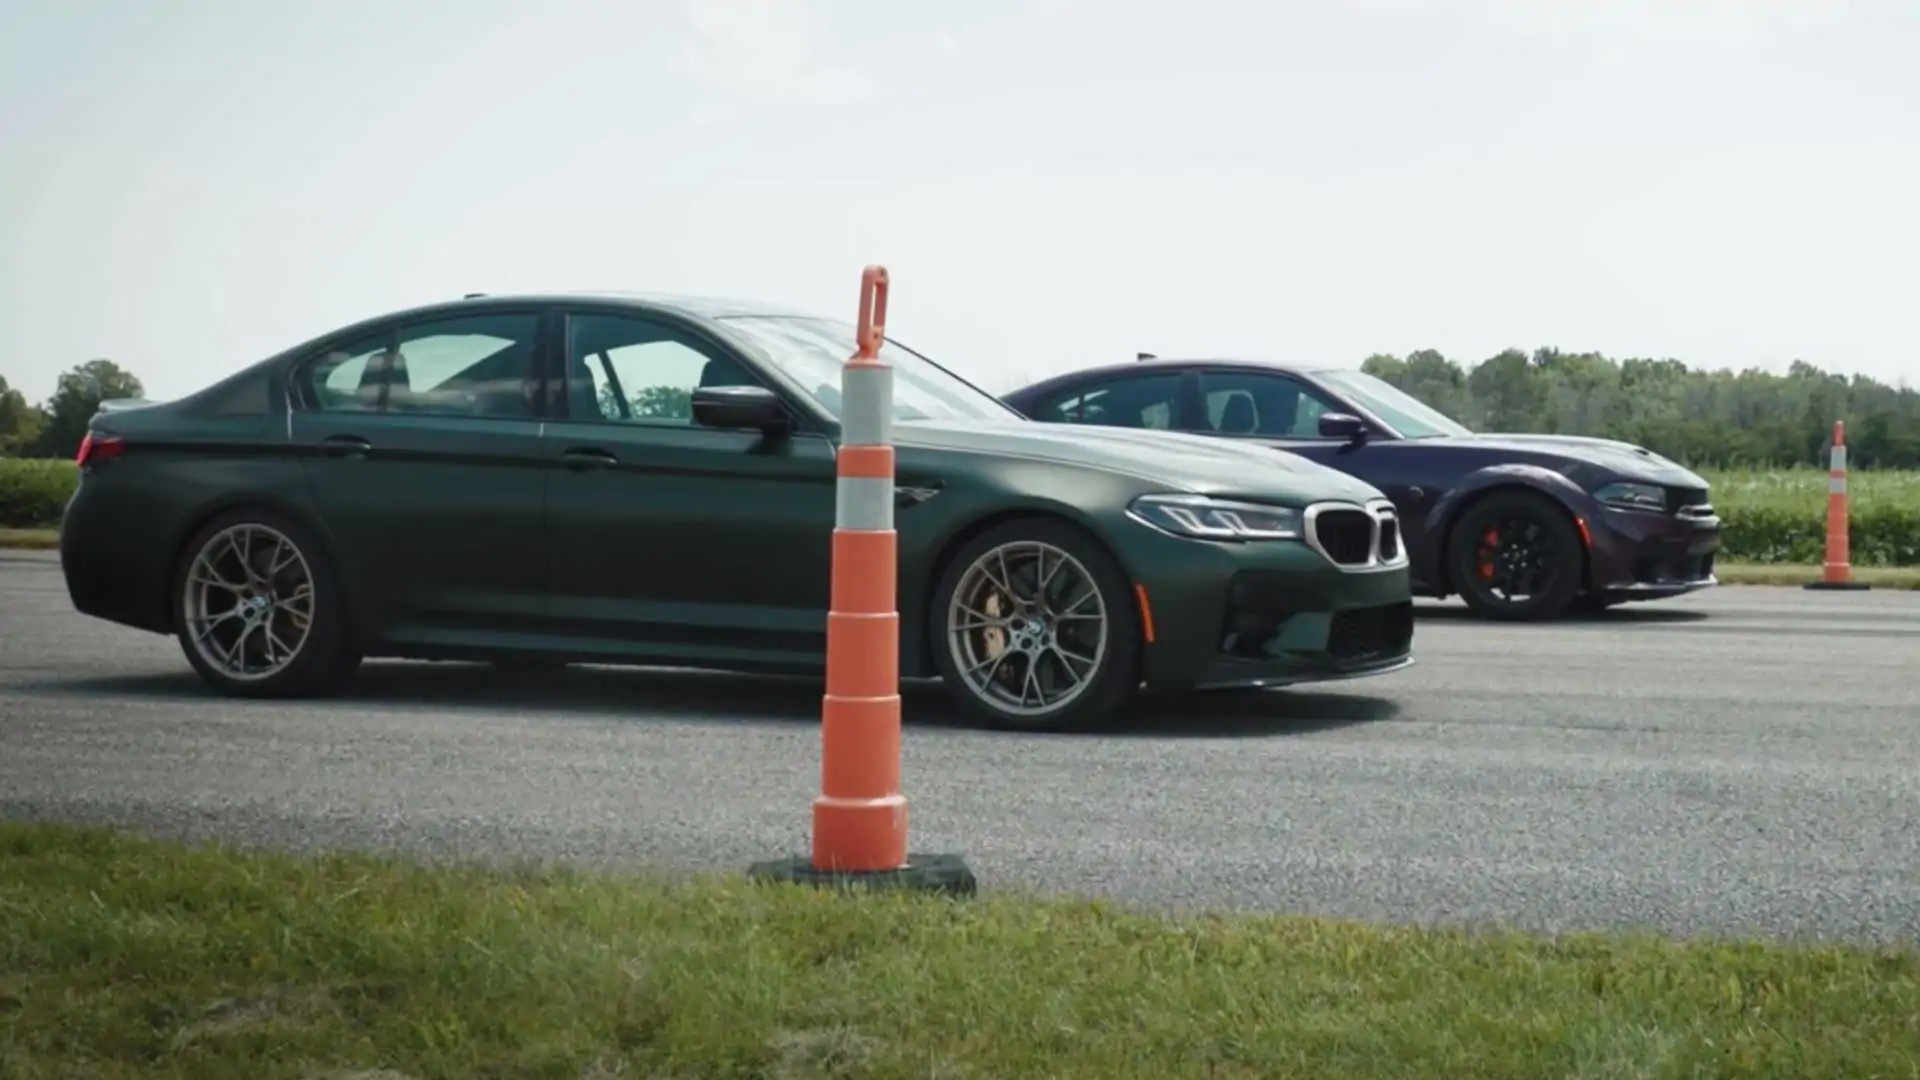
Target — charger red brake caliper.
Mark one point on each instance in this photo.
(1489, 543)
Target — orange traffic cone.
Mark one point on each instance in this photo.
(860, 818)
(1838, 571)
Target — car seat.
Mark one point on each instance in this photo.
(383, 382)
(583, 397)
(373, 376)
(1239, 417)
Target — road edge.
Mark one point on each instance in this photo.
(1898, 578)
(1904, 578)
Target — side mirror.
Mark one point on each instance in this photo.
(740, 407)
(1346, 426)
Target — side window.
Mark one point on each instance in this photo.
(1134, 401)
(629, 370)
(346, 379)
(1254, 403)
(479, 365)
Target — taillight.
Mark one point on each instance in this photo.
(98, 448)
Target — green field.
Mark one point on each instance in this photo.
(33, 491)
(1805, 490)
(1779, 516)
(124, 958)
(1774, 517)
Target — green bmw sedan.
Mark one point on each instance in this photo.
(611, 478)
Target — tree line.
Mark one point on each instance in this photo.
(54, 427)
(1706, 418)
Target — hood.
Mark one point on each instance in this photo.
(1625, 458)
(1198, 463)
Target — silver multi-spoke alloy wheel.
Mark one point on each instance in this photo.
(248, 602)
(1027, 628)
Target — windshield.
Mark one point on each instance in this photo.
(1406, 414)
(811, 351)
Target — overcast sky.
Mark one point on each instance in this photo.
(185, 187)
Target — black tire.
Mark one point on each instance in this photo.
(1536, 535)
(1116, 674)
(324, 660)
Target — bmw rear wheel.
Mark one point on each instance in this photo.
(258, 612)
(1515, 555)
(1034, 628)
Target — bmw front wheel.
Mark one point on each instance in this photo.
(1034, 629)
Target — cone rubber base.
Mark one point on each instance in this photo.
(1838, 586)
(945, 874)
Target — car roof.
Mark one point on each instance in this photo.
(707, 307)
(712, 307)
(1231, 362)
(1175, 363)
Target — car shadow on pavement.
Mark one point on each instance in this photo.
(679, 695)
(1244, 714)
(1612, 618)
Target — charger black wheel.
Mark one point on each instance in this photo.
(1515, 555)
(257, 608)
(1033, 627)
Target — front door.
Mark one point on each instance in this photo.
(670, 540)
(423, 448)
(1279, 410)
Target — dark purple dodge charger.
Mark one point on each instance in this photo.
(1518, 526)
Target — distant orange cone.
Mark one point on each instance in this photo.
(1838, 570)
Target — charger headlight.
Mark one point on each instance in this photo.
(1627, 496)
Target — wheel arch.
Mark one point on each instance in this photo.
(920, 661)
(1511, 480)
(226, 504)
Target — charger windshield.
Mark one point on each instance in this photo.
(1408, 415)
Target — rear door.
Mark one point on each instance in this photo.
(669, 539)
(1156, 400)
(422, 441)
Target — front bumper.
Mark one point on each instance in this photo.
(1646, 556)
(1268, 614)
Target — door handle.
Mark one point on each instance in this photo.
(581, 458)
(345, 446)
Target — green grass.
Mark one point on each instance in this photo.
(34, 491)
(1880, 577)
(1778, 517)
(121, 958)
(1804, 491)
(30, 539)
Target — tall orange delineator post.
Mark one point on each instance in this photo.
(1838, 570)
(860, 816)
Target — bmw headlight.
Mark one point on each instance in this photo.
(1199, 517)
(1623, 496)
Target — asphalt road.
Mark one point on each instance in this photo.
(1746, 761)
